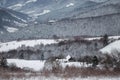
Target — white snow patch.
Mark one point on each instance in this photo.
(11, 29)
(18, 17)
(98, 38)
(1, 32)
(30, 12)
(70, 4)
(52, 21)
(20, 24)
(16, 6)
(3, 19)
(35, 65)
(29, 1)
(115, 46)
(44, 12)
(64, 60)
(98, 1)
(75, 64)
(31, 43)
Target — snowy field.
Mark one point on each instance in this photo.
(110, 37)
(112, 48)
(35, 65)
(4, 47)
(75, 78)
(38, 65)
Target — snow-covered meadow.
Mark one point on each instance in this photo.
(4, 47)
(39, 65)
(109, 49)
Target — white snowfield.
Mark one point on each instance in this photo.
(98, 1)
(110, 37)
(15, 7)
(70, 4)
(11, 29)
(73, 78)
(4, 47)
(38, 65)
(35, 65)
(42, 13)
(29, 1)
(111, 48)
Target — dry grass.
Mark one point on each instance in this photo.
(68, 72)
(83, 72)
(7, 73)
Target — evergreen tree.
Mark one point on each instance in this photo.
(3, 62)
(42, 56)
(95, 61)
(105, 40)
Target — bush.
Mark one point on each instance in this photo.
(12, 65)
(51, 65)
(3, 62)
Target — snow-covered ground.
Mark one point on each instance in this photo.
(42, 13)
(35, 65)
(4, 47)
(74, 78)
(70, 4)
(38, 65)
(11, 29)
(29, 1)
(112, 48)
(110, 37)
(75, 64)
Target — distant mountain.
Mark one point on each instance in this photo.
(68, 28)
(45, 10)
(109, 7)
(11, 21)
(62, 18)
(54, 9)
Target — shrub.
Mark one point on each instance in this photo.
(12, 66)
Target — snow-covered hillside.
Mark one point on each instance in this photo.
(11, 21)
(112, 49)
(26, 43)
(35, 65)
(64, 7)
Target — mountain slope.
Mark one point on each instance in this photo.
(112, 49)
(109, 7)
(46, 10)
(91, 26)
(50, 9)
(11, 21)
(65, 18)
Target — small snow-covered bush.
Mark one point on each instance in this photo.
(12, 65)
(51, 65)
(28, 69)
